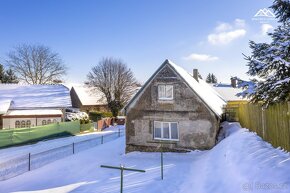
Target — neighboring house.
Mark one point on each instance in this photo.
(173, 106)
(88, 99)
(32, 105)
(229, 93)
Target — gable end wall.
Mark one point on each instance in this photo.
(197, 124)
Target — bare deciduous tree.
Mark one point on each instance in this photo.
(115, 80)
(36, 64)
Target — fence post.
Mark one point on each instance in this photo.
(288, 113)
(29, 161)
(102, 139)
(11, 137)
(73, 148)
(161, 162)
(119, 133)
(263, 121)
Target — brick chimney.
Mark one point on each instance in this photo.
(234, 82)
(195, 74)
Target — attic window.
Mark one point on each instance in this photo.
(165, 92)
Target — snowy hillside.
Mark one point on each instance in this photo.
(242, 162)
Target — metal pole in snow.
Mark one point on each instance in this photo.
(122, 168)
(161, 152)
(161, 163)
(29, 161)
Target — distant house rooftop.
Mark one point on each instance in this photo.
(4, 105)
(89, 96)
(18, 96)
(227, 92)
(34, 112)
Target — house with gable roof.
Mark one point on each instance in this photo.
(174, 106)
(88, 99)
(32, 105)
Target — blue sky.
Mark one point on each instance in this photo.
(208, 35)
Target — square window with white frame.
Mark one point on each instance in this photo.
(166, 131)
(165, 92)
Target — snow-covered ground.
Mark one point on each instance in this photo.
(242, 162)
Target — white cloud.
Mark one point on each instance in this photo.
(265, 28)
(226, 33)
(223, 27)
(225, 37)
(200, 57)
(240, 23)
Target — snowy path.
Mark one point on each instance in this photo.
(242, 162)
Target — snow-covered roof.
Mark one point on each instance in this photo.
(202, 89)
(209, 96)
(33, 112)
(35, 96)
(4, 106)
(89, 96)
(228, 92)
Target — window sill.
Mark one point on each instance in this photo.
(171, 101)
(163, 139)
(166, 99)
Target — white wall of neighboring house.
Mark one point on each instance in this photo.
(10, 122)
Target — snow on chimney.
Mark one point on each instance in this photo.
(195, 74)
(234, 82)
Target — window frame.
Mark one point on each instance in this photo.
(170, 136)
(22, 124)
(165, 90)
(28, 123)
(17, 124)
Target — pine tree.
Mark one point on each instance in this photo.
(10, 77)
(281, 9)
(213, 78)
(2, 73)
(270, 62)
(208, 78)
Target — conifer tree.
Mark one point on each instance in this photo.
(7, 76)
(208, 78)
(211, 78)
(270, 62)
(2, 73)
(10, 77)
